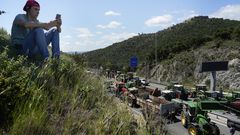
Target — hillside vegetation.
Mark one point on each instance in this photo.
(180, 51)
(189, 35)
(56, 97)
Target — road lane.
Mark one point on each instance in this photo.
(178, 129)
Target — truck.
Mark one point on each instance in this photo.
(151, 99)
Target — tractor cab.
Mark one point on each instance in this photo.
(198, 91)
(131, 86)
(215, 95)
(236, 94)
(167, 94)
(178, 87)
(180, 92)
(201, 87)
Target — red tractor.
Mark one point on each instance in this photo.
(236, 100)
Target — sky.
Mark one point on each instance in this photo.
(93, 24)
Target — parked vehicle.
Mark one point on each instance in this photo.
(144, 82)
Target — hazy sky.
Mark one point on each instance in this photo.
(94, 24)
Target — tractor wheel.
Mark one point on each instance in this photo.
(193, 130)
(184, 119)
(215, 129)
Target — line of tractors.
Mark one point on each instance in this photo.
(192, 106)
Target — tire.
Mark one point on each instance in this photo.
(193, 130)
(215, 129)
(185, 119)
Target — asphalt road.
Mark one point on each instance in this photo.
(178, 129)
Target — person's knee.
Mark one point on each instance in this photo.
(55, 31)
(39, 31)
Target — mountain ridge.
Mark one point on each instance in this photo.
(189, 34)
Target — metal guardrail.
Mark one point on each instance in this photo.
(218, 115)
(234, 119)
(157, 82)
(218, 118)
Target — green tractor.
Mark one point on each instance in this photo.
(194, 117)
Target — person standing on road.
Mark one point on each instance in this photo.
(28, 36)
(232, 130)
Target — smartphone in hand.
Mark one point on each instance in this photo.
(58, 16)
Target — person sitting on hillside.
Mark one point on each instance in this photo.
(27, 34)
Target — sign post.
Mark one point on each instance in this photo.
(213, 67)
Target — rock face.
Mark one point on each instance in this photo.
(231, 78)
(186, 66)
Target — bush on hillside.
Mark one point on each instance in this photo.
(236, 33)
(4, 39)
(15, 85)
(224, 34)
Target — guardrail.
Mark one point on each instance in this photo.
(158, 82)
(219, 115)
(219, 118)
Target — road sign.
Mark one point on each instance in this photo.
(214, 66)
(133, 61)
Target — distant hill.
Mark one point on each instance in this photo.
(188, 35)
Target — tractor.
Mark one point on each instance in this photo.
(180, 92)
(235, 100)
(199, 91)
(194, 117)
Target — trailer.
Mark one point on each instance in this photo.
(150, 99)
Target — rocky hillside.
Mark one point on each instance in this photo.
(185, 66)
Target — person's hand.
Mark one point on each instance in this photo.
(46, 26)
(59, 21)
(51, 24)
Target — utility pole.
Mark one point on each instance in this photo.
(156, 49)
(156, 55)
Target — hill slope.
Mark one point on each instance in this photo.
(57, 97)
(190, 34)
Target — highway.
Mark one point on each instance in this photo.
(176, 128)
